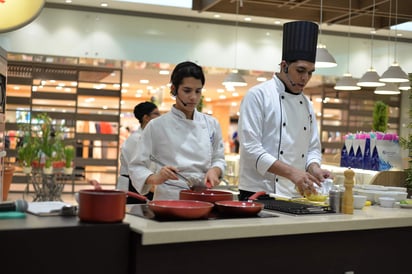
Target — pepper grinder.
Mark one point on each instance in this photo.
(347, 206)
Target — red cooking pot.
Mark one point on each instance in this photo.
(100, 205)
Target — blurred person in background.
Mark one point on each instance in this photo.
(144, 112)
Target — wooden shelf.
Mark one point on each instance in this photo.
(62, 91)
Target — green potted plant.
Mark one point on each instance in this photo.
(380, 116)
(68, 159)
(50, 142)
(27, 153)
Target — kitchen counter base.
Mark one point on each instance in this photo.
(361, 251)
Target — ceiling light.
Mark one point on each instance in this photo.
(234, 79)
(388, 89)
(394, 74)
(347, 83)
(17, 14)
(405, 86)
(370, 79)
(323, 58)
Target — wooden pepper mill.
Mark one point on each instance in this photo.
(347, 205)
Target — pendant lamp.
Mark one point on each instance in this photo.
(347, 82)
(405, 86)
(371, 77)
(323, 58)
(387, 89)
(394, 74)
(234, 79)
(18, 13)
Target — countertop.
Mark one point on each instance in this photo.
(371, 217)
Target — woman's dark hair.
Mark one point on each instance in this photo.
(183, 70)
(143, 109)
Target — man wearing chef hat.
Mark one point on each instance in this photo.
(280, 150)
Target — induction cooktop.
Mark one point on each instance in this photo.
(143, 211)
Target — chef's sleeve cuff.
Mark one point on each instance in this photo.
(264, 162)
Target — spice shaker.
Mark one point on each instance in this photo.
(335, 199)
(347, 204)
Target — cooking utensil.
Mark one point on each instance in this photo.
(98, 205)
(180, 209)
(205, 195)
(167, 209)
(239, 208)
(191, 183)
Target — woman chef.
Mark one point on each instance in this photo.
(185, 140)
(280, 149)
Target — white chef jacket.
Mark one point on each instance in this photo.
(193, 146)
(128, 149)
(275, 125)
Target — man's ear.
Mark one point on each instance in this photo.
(173, 90)
(284, 66)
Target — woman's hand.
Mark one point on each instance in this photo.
(164, 174)
(212, 177)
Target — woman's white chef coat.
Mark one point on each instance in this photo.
(193, 146)
(126, 153)
(275, 125)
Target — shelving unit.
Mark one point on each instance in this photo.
(83, 97)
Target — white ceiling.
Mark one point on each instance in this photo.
(214, 76)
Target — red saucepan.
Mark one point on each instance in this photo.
(100, 205)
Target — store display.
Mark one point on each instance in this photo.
(384, 146)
